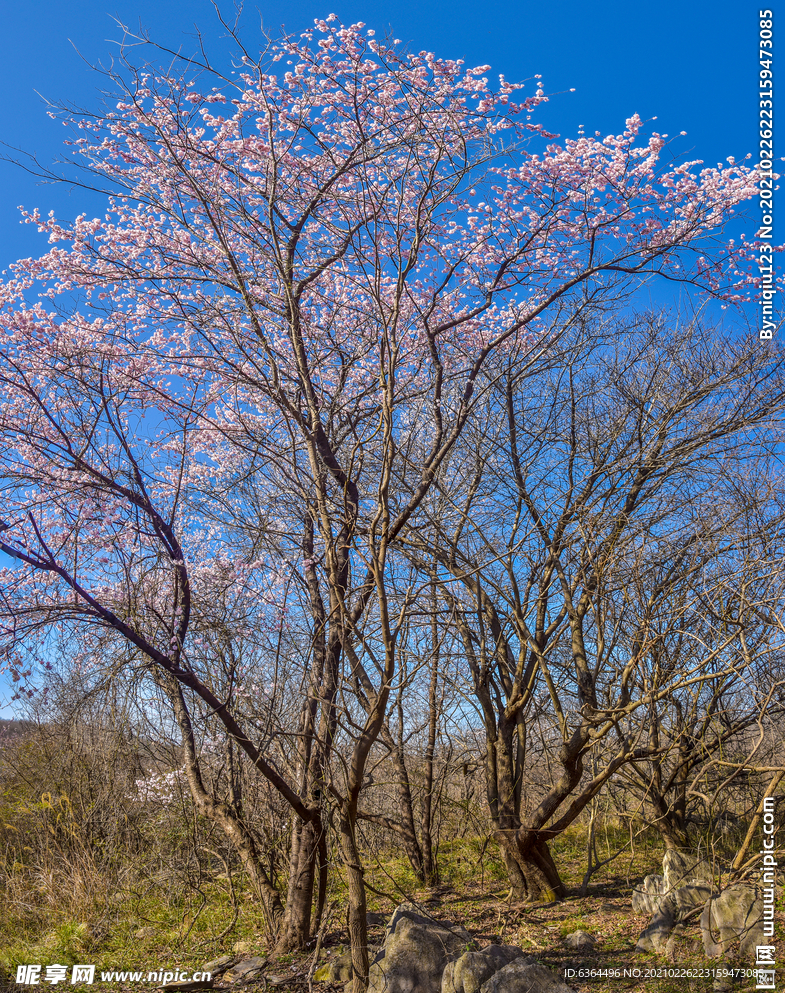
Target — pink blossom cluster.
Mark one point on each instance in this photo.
(298, 277)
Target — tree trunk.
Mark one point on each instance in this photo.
(534, 876)
(670, 824)
(243, 841)
(408, 830)
(430, 868)
(515, 875)
(324, 869)
(296, 928)
(228, 819)
(356, 912)
(317, 728)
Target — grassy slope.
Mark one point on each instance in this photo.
(163, 922)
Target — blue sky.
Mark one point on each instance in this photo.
(693, 66)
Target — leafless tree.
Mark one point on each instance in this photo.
(615, 507)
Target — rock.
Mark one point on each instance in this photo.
(680, 867)
(655, 937)
(339, 969)
(681, 871)
(469, 972)
(670, 909)
(733, 917)
(524, 976)
(682, 946)
(325, 973)
(691, 897)
(326, 953)
(246, 969)
(189, 984)
(219, 966)
(411, 912)
(646, 897)
(580, 940)
(416, 949)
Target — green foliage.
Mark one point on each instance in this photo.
(65, 944)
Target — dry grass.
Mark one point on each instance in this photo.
(59, 909)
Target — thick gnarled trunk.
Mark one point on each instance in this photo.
(296, 928)
(530, 866)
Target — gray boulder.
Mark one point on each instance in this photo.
(524, 976)
(688, 898)
(670, 909)
(733, 918)
(683, 945)
(411, 912)
(470, 971)
(580, 940)
(245, 970)
(217, 967)
(679, 868)
(188, 985)
(416, 950)
(646, 896)
(337, 970)
(655, 937)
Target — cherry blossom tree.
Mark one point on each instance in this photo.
(248, 372)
